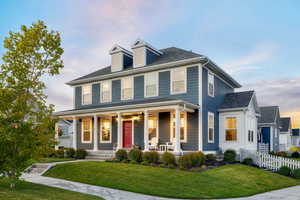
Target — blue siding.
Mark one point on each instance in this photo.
(78, 102)
(212, 104)
(96, 93)
(164, 83)
(139, 132)
(139, 87)
(164, 127)
(116, 90)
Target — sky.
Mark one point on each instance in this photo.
(257, 42)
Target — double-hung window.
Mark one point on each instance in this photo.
(178, 80)
(152, 128)
(211, 124)
(86, 130)
(105, 130)
(231, 129)
(86, 94)
(127, 88)
(211, 85)
(250, 136)
(151, 84)
(105, 91)
(183, 126)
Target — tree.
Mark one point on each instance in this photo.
(26, 123)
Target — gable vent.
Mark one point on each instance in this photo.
(120, 58)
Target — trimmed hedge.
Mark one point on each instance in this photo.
(210, 157)
(296, 173)
(70, 152)
(229, 155)
(168, 158)
(295, 155)
(121, 155)
(151, 156)
(135, 154)
(197, 159)
(285, 171)
(185, 161)
(80, 154)
(60, 153)
(248, 161)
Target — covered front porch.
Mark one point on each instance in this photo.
(162, 126)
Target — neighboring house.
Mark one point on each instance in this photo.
(285, 140)
(269, 127)
(296, 137)
(65, 133)
(165, 100)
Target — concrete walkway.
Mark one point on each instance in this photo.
(291, 193)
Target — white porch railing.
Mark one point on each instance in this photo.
(263, 148)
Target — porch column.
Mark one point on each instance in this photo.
(146, 135)
(56, 136)
(74, 132)
(119, 131)
(177, 130)
(95, 133)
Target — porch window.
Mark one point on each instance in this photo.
(211, 122)
(230, 129)
(178, 80)
(152, 128)
(86, 130)
(211, 86)
(105, 92)
(127, 88)
(182, 126)
(105, 130)
(151, 84)
(86, 94)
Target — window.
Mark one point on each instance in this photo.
(250, 136)
(152, 128)
(105, 91)
(178, 80)
(105, 130)
(211, 87)
(182, 126)
(86, 94)
(151, 84)
(211, 124)
(230, 129)
(127, 88)
(86, 131)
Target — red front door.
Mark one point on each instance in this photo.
(127, 134)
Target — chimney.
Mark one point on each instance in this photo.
(120, 58)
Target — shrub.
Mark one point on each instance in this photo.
(229, 155)
(248, 161)
(171, 166)
(294, 149)
(210, 157)
(296, 173)
(133, 162)
(151, 156)
(168, 158)
(284, 170)
(70, 152)
(80, 154)
(121, 155)
(145, 163)
(124, 161)
(197, 159)
(185, 162)
(60, 153)
(135, 154)
(281, 153)
(295, 155)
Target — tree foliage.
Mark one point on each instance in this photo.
(26, 122)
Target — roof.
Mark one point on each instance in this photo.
(296, 132)
(237, 100)
(169, 55)
(285, 124)
(268, 114)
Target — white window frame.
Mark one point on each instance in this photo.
(110, 135)
(145, 84)
(156, 115)
(213, 133)
(225, 128)
(122, 85)
(210, 74)
(185, 80)
(101, 90)
(172, 128)
(82, 130)
(82, 94)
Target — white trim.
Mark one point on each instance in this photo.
(101, 90)
(171, 80)
(91, 100)
(142, 43)
(82, 130)
(132, 132)
(213, 115)
(156, 74)
(200, 120)
(220, 78)
(132, 87)
(117, 48)
(172, 139)
(110, 134)
(209, 73)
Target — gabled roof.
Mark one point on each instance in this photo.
(237, 100)
(285, 124)
(296, 132)
(268, 114)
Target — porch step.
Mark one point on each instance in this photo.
(100, 155)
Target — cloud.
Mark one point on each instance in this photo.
(258, 55)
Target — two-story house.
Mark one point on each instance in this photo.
(165, 100)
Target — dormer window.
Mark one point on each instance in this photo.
(105, 92)
(86, 94)
(120, 58)
(211, 85)
(127, 88)
(178, 80)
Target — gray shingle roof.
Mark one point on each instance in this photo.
(268, 114)
(237, 100)
(296, 132)
(285, 124)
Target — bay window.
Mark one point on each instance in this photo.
(105, 90)
(231, 129)
(151, 84)
(182, 126)
(86, 130)
(178, 80)
(86, 94)
(211, 122)
(127, 88)
(105, 130)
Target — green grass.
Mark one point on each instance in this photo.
(50, 160)
(223, 182)
(30, 191)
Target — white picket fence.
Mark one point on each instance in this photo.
(263, 148)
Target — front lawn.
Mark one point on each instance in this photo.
(30, 191)
(227, 181)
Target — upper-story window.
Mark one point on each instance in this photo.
(86, 94)
(211, 85)
(105, 90)
(151, 84)
(127, 88)
(178, 80)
